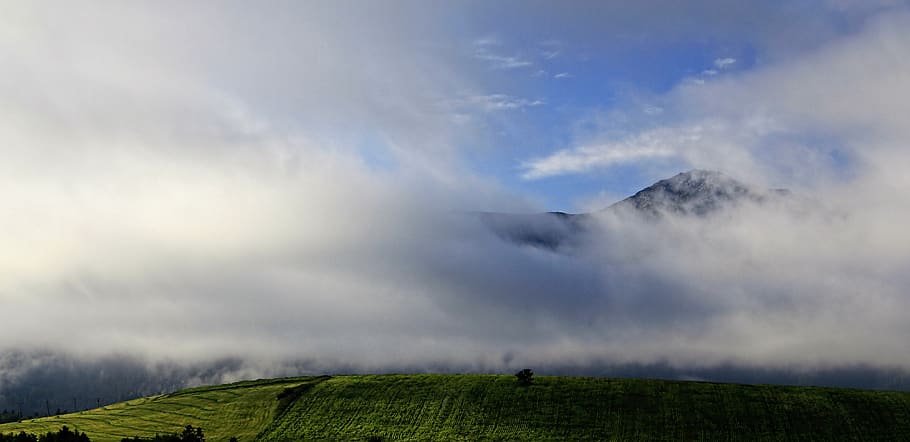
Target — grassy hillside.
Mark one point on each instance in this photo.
(242, 409)
(439, 407)
(489, 407)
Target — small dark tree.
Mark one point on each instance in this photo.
(525, 377)
(191, 434)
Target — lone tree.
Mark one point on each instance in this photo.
(525, 377)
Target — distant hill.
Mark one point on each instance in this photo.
(495, 407)
(692, 193)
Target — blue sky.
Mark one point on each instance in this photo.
(543, 78)
(576, 86)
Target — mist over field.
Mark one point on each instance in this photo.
(206, 192)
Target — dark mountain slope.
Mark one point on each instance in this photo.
(693, 193)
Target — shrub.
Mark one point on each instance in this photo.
(525, 377)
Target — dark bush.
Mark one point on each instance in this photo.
(64, 435)
(189, 434)
(525, 377)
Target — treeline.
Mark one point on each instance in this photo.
(9, 416)
(64, 435)
(189, 434)
(13, 415)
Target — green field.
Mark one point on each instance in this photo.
(242, 409)
(492, 407)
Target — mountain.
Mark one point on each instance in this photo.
(696, 192)
(693, 193)
(549, 230)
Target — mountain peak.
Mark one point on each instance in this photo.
(696, 191)
(698, 174)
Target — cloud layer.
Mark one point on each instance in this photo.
(281, 188)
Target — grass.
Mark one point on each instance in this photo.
(480, 407)
(492, 407)
(242, 409)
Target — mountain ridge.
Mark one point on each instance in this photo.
(696, 192)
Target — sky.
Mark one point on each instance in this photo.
(286, 181)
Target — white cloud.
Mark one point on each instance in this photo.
(483, 51)
(183, 192)
(498, 102)
(551, 49)
(724, 63)
(562, 75)
(470, 104)
(809, 90)
(487, 41)
(502, 61)
(781, 287)
(583, 159)
(653, 110)
(190, 191)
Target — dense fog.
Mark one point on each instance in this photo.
(226, 194)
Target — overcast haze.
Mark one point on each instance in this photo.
(285, 185)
